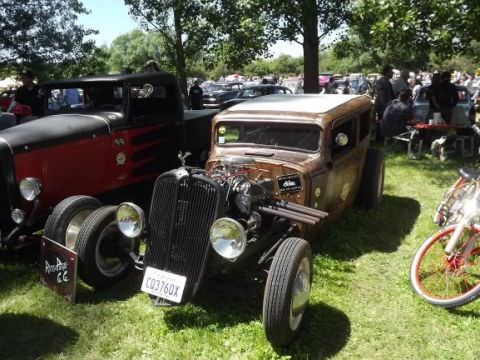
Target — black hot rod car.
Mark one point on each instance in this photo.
(105, 136)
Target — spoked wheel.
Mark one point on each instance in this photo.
(287, 291)
(102, 249)
(448, 280)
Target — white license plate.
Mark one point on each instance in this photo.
(163, 284)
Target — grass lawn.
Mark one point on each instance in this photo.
(361, 305)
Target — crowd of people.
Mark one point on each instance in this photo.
(393, 100)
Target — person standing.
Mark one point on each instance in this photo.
(383, 91)
(446, 96)
(28, 93)
(151, 66)
(401, 83)
(196, 96)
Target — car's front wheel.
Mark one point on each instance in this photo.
(103, 251)
(287, 291)
(63, 225)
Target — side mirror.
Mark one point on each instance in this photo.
(341, 139)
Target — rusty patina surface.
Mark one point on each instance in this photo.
(328, 183)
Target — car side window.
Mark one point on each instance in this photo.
(150, 101)
(344, 127)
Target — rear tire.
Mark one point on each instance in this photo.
(287, 291)
(103, 251)
(371, 185)
(63, 225)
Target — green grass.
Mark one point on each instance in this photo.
(362, 306)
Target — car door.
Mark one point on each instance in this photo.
(345, 163)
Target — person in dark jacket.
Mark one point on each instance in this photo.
(195, 95)
(397, 114)
(445, 97)
(28, 93)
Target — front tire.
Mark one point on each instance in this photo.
(448, 281)
(103, 251)
(63, 225)
(287, 291)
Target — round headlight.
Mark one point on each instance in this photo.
(130, 219)
(228, 238)
(30, 188)
(18, 216)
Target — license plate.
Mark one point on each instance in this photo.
(163, 284)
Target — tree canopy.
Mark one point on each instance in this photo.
(41, 33)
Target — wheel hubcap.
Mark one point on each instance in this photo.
(73, 228)
(300, 293)
(111, 251)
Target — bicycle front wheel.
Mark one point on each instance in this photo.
(445, 280)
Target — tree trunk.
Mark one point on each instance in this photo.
(310, 46)
(180, 54)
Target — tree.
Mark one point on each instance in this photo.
(134, 48)
(41, 34)
(182, 24)
(307, 22)
(406, 32)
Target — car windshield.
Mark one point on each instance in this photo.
(91, 98)
(291, 136)
(250, 93)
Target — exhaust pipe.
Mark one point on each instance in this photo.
(290, 215)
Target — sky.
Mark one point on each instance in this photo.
(110, 18)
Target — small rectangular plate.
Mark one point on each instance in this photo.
(58, 268)
(163, 284)
(289, 183)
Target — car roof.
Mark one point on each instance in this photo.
(158, 77)
(259, 86)
(320, 108)
(306, 103)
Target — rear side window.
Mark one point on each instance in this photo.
(347, 128)
(149, 101)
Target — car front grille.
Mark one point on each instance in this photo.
(183, 208)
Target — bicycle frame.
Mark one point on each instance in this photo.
(472, 211)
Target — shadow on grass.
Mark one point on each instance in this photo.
(220, 302)
(360, 231)
(465, 313)
(26, 256)
(25, 336)
(325, 332)
(121, 291)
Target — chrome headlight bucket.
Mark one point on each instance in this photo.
(228, 238)
(18, 216)
(30, 188)
(130, 219)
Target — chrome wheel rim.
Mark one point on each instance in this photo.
(110, 244)
(300, 293)
(73, 228)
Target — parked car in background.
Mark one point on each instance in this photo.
(294, 83)
(463, 114)
(107, 141)
(255, 91)
(359, 84)
(215, 94)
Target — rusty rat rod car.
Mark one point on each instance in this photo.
(104, 136)
(278, 166)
